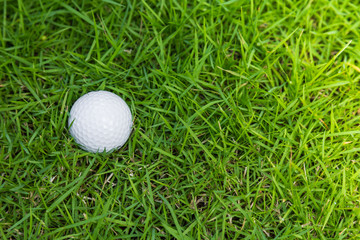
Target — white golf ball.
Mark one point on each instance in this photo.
(100, 121)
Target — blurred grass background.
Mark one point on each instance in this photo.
(246, 119)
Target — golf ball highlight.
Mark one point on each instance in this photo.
(100, 121)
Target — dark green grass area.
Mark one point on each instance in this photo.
(246, 119)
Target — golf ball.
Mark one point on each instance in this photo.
(100, 121)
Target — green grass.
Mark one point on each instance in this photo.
(246, 119)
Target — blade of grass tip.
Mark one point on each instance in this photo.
(77, 183)
(77, 13)
(33, 93)
(98, 54)
(77, 224)
(136, 193)
(129, 19)
(351, 133)
(30, 224)
(69, 216)
(107, 33)
(279, 45)
(323, 87)
(329, 63)
(116, 52)
(168, 154)
(147, 226)
(2, 234)
(275, 24)
(88, 56)
(330, 211)
(198, 140)
(126, 223)
(150, 195)
(152, 11)
(192, 225)
(17, 58)
(172, 231)
(356, 68)
(19, 222)
(20, 12)
(104, 213)
(178, 227)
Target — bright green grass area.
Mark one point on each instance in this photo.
(246, 119)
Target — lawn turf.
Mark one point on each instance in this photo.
(246, 119)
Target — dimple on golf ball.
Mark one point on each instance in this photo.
(100, 121)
